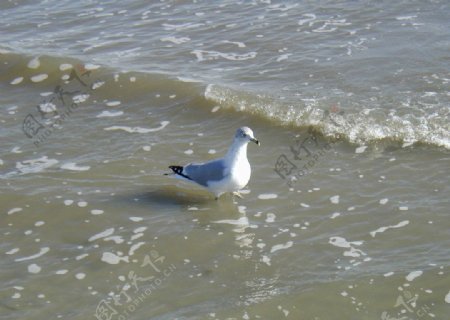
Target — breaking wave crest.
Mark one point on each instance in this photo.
(333, 121)
(363, 126)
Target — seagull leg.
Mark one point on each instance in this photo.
(237, 194)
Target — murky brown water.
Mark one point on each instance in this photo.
(346, 214)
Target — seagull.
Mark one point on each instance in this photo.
(228, 174)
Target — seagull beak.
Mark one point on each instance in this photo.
(255, 141)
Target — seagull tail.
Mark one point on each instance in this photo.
(178, 171)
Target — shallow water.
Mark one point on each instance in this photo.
(346, 214)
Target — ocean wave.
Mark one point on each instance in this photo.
(364, 127)
(359, 125)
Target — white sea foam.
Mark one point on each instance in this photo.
(204, 55)
(270, 217)
(39, 77)
(65, 66)
(14, 210)
(81, 256)
(90, 66)
(360, 149)
(355, 127)
(35, 165)
(413, 275)
(383, 229)
(304, 205)
(242, 209)
(261, 245)
(112, 258)
(96, 212)
(41, 252)
(401, 18)
(116, 239)
(47, 107)
(309, 17)
(97, 84)
(334, 199)
(237, 43)
(34, 268)
(342, 242)
(109, 114)
(80, 276)
(13, 251)
(136, 236)
(16, 295)
(266, 260)
(61, 271)
(267, 196)
(113, 103)
(335, 215)
(241, 221)
(16, 81)
(80, 98)
(134, 247)
(102, 234)
(34, 63)
(175, 40)
(16, 149)
(74, 167)
(281, 246)
(140, 229)
(283, 57)
(447, 297)
(138, 129)
(353, 252)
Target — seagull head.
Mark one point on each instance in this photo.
(245, 135)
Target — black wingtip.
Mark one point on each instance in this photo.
(176, 169)
(179, 171)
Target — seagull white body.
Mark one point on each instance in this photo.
(228, 174)
(237, 170)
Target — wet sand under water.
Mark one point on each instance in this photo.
(91, 226)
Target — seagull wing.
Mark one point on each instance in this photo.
(203, 173)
